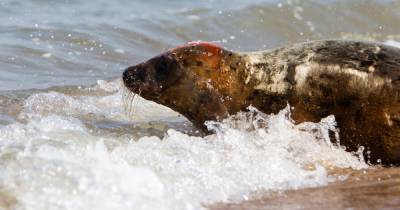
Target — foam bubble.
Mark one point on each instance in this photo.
(392, 43)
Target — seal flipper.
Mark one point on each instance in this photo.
(392, 137)
(366, 109)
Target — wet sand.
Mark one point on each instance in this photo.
(7, 201)
(365, 189)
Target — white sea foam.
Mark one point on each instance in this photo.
(392, 43)
(52, 159)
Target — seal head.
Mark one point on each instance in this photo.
(199, 80)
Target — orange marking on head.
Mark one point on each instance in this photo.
(211, 53)
(206, 45)
(208, 53)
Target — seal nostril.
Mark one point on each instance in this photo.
(134, 73)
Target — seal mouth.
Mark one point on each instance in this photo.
(134, 78)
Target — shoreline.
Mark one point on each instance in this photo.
(377, 188)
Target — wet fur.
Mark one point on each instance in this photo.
(357, 82)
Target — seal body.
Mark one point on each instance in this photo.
(357, 82)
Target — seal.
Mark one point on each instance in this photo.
(357, 82)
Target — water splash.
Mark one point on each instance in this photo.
(53, 159)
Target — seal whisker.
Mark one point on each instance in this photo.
(128, 97)
(135, 101)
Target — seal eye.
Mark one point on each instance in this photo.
(163, 67)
